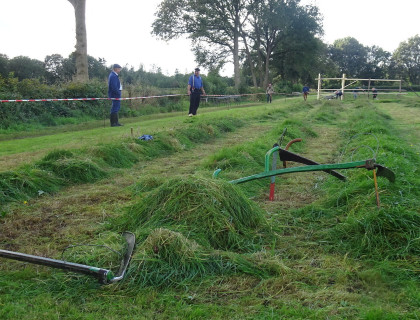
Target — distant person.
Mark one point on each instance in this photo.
(269, 92)
(338, 94)
(195, 89)
(355, 93)
(374, 93)
(305, 91)
(114, 91)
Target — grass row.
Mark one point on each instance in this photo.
(64, 167)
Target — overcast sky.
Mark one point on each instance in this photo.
(119, 31)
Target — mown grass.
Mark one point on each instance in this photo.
(64, 167)
(200, 254)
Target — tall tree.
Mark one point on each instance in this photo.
(349, 55)
(82, 74)
(406, 60)
(208, 23)
(282, 23)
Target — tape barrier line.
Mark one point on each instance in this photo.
(89, 99)
(132, 98)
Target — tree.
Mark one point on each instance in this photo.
(214, 24)
(283, 27)
(4, 61)
(406, 60)
(349, 55)
(54, 71)
(26, 68)
(82, 74)
(377, 63)
(97, 68)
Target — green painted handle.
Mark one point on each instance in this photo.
(319, 167)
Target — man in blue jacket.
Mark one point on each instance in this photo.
(305, 91)
(114, 91)
(195, 88)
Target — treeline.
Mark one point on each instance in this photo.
(295, 62)
(289, 66)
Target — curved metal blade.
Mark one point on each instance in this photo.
(290, 156)
(385, 172)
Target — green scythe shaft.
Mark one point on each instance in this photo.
(319, 167)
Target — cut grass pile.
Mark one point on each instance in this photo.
(63, 167)
(214, 213)
(167, 258)
(26, 183)
(192, 228)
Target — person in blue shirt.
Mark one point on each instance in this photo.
(114, 91)
(305, 91)
(195, 89)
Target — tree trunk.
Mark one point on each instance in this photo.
(251, 66)
(236, 30)
(267, 65)
(236, 69)
(82, 74)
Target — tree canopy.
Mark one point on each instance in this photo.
(220, 29)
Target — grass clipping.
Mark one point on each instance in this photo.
(191, 228)
(214, 213)
(168, 258)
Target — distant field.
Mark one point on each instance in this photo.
(207, 249)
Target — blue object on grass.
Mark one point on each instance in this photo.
(146, 137)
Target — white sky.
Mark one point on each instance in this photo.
(119, 31)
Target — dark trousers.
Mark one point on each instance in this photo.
(194, 101)
(116, 105)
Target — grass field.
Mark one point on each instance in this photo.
(207, 249)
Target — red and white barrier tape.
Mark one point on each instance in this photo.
(132, 98)
(88, 99)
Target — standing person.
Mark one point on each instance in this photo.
(355, 93)
(114, 91)
(374, 93)
(195, 89)
(269, 92)
(305, 91)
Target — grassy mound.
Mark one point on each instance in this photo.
(116, 155)
(214, 213)
(26, 183)
(168, 258)
(74, 170)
